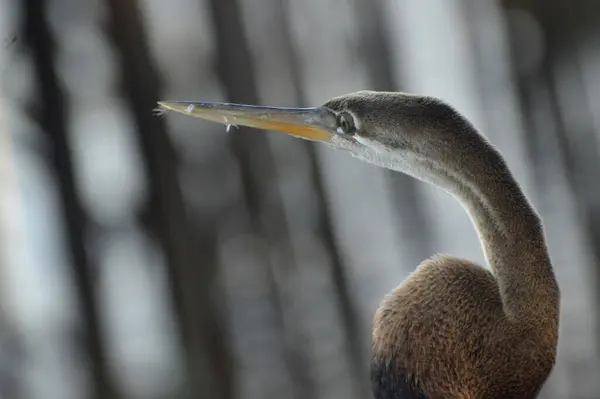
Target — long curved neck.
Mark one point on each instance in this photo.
(509, 228)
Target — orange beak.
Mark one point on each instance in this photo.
(315, 124)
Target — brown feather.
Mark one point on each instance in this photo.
(454, 329)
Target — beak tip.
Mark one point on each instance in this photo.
(162, 108)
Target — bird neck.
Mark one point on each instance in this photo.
(510, 231)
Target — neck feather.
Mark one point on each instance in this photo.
(509, 229)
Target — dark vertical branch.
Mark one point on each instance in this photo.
(13, 355)
(580, 151)
(256, 163)
(579, 157)
(374, 48)
(325, 229)
(374, 45)
(526, 86)
(576, 153)
(52, 118)
(190, 253)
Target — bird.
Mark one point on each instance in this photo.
(453, 329)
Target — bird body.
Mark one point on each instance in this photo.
(453, 329)
(444, 331)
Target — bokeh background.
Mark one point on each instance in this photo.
(161, 257)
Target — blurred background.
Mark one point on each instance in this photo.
(161, 257)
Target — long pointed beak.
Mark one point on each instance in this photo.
(316, 124)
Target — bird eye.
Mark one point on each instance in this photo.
(345, 123)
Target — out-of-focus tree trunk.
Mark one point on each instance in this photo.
(257, 168)
(579, 144)
(190, 252)
(12, 359)
(50, 111)
(570, 147)
(375, 51)
(345, 300)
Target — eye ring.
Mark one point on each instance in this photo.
(345, 123)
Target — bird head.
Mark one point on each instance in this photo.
(399, 131)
